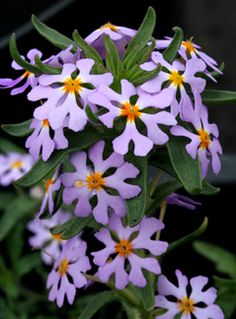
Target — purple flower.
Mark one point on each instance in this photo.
(43, 238)
(31, 80)
(124, 250)
(64, 57)
(120, 35)
(204, 139)
(68, 271)
(198, 304)
(183, 201)
(40, 139)
(120, 106)
(13, 166)
(177, 76)
(87, 182)
(66, 95)
(51, 185)
(189, 49)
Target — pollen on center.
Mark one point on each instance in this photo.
(95, 181)
(131, 111)
(110, 26)
(205, 139)
(45, 123)
(73, 86)
(124, 248)
(63, 267)
(48, 183)
(17, 164)
(188, 45)
(176, 78)
(186, 305)
(56, 237)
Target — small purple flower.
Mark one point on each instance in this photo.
(177, 75)
(66, 95)
(51, 185)
(40, 139)
(31, 80)
(64, 57)
(198, 304)
(120, 106)
(87, 182)
(204, 139)
(124, 248)
(189, 49)
(120, 35)
(68, 271)
(13, 166)
(183, 201)
(43, 238)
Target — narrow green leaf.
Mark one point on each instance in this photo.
(147, 293)
(16, 209)
(28, 263)
(93, 117)
(88, 51)
(208, 189)
(7, 146)
(112, 56)
(186, 169)
(224, 261)
(18, 59)
(53, 36)
(215, 97)
(145, 76)
(19, 129)
(45, 68)
(96, 303)
(216, 74)
(171, 51)
(141, 38)
(5, 199)
(189, 237)
(78, 141)
(72, 227)
(145, 54)
(226, 296)
(136, 206)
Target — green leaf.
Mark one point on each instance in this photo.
(225, 262)
(171, 51)
(97, 302)
(198, 232)
(147, 293)
(18, 59)
(7, 281)
(208, 189)
(146, 52)
(46, 68)
(28, 263)
(145, 76)
(226, 296)
(5, 199)
(141, 38)
(216, 74)
(186, 169)
(136, 206)
(19, 129)
(88, 51)
(7, 146)
(90, 114)
(72, 227)
(215, 97)
(16, 209)
(53, 36)
(112, 56)
(78, 141)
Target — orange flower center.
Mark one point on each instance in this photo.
(63, 267)
(189, 46)
(17, 164)
(176, 78)
(124, 248)
(204, 139)
(26, 74)
(110, 26)
(186, 305)
(56, 237)
(45, 123)
(131, 111)
(95, 181)
(48, 183)
(73, 86)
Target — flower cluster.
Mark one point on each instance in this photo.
(100, 179)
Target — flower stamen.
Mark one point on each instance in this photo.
(110, 26)
(63, 267)
(124, 248)
(95, 181)
(186, 305)
(205, 139)
(48, 183)
(176, 78)
(131, 111)
(73, 86)
(17, 164)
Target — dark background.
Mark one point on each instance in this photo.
(213, 25)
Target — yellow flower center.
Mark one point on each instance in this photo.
(48, 183)
(63, 267)
(124, 248)
(186, 305)
(56, 237)
(45, 123)
(131, 111)
(26, 74)
(95, 181)
(189, 46)
(17, 164)
(110, 26)
(176, 78)
(73, 86)
(205, 139)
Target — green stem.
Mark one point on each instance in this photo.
(154, 183)
(161, 217)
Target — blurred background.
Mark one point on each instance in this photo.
(212, 23)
